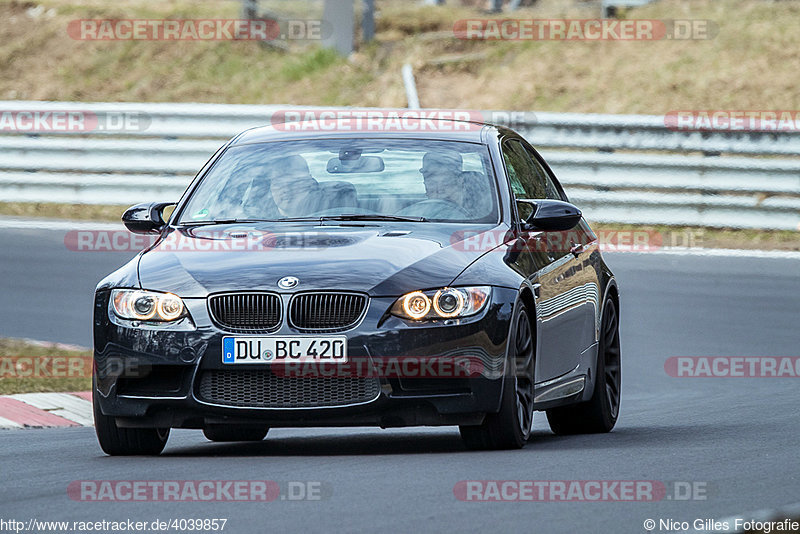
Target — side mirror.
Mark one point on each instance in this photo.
(552, 215)
(145, 218)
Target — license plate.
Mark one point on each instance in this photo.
(243, 350)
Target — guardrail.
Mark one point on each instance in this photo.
(617, 168)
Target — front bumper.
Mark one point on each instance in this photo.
(150, 377)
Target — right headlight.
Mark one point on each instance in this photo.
(142, 305)
(445, 303)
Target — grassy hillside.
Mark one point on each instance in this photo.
(751, 64)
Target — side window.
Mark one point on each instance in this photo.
(551, 191)
(530, 184)
(526, 180)
(513, 176)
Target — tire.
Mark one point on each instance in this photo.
(511, 426)
(598, 414)
(116, 441)
(235, 433)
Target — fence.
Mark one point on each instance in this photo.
(617, 168)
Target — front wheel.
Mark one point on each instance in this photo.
(511, 426)
(598, 414)
(116, 441)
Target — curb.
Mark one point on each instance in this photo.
(43, 410)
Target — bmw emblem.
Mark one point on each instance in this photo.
(288, 282)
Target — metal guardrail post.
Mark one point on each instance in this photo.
(411, 87)
(249, 9)
(368, 21)
(339, 14)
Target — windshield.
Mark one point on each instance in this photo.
(403, 179)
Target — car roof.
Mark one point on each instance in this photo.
(433, 129)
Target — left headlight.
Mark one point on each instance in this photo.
(142, 305)
(445, 303)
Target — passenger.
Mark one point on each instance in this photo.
(295, 191)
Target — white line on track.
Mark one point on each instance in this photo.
(7, 423)
(57, 224)
(718, 252)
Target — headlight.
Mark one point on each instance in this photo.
(443, 303)
(146, 305)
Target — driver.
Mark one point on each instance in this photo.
(295, 191)
(444, 187)
(441, 172)
(256, 201)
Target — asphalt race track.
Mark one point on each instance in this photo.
(734, 438)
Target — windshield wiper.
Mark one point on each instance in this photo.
(218, 221)
(344, 217)
(237, 221)
(371, 217)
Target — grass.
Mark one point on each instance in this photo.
(39, 61)
(692, 236)
(668, 235)
(27, 366)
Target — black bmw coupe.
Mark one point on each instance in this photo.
(310, 277)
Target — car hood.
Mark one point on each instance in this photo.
(385, 260)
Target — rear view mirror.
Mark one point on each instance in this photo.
(552, 215)
(360, 164)
(145, 218)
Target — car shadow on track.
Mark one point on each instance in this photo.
(644, 436)
(448, 441)
(333, 445)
